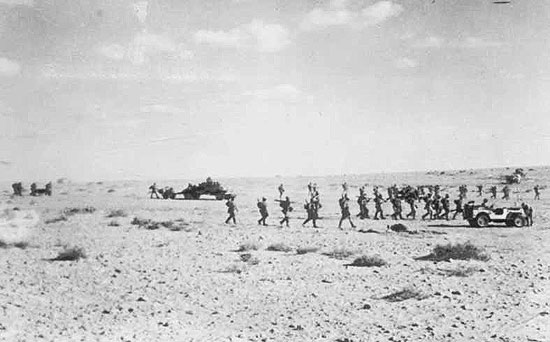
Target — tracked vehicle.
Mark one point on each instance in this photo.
(205, 190)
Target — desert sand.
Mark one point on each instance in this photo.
(191, 284)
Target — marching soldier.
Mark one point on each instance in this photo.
(528, 210)
(537, 192)
(311, 214)
(506, 192)
(397, 209)
(428, 206)
(154, 191)
(446, 203)
(378, 200)
(362, 201)
(459, 207)
(231, 209)
(344, 207)
(281, 189)
(262, 205)
(493, 192)
(285, 208)
(412, 205)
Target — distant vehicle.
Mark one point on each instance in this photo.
(514, 178)
(208, 190)
(480, 216)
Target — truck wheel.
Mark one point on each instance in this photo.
(518, 221)
(482, 220)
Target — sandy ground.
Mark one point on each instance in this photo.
(191, 285)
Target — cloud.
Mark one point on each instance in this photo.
(282, 92)
(139, 74)
(256, 34)
(146, 45)
(8, 67)
(142, 47)
(476, 42)
(465, 43)
(140, 10)
(160, 108)
(381, 11)
(320, 18)
(340, 13)
(112, 51)
(429, 42)
(17, 2)
(232, 38)
(406, 63)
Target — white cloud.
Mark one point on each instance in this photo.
(476, 42)
(282, 92)
(406, 63)
(320, 18)
(160, 108)
(232, 38)
(429, 42)
(8, 67)
(340, 13)
(381, 11)
(112, 51)
(17, 2)
(140, 10)
(145, 45)
(263, 37)
(269, 37)
(139, 74)
(466, 43)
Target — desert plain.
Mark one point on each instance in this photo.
(194, 278)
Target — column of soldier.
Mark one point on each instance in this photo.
(436, 206)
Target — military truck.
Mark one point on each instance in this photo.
(481, 216)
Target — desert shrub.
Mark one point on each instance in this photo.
(117, 213)
(402, 295)
(74, 211)
(340, 253)
(145, 223)
(399, 227)
(245, 257)
(113, 224)
(111, 190)
(368, 261)
(279, 247)
(70, 254)
(21, 244)
(177, 225)
(59, 218)
(248, 246)
(233, 269)
(305, 250)
(459, 251)
(249, 259)
(460, 271)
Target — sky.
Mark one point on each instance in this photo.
(171, 89)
